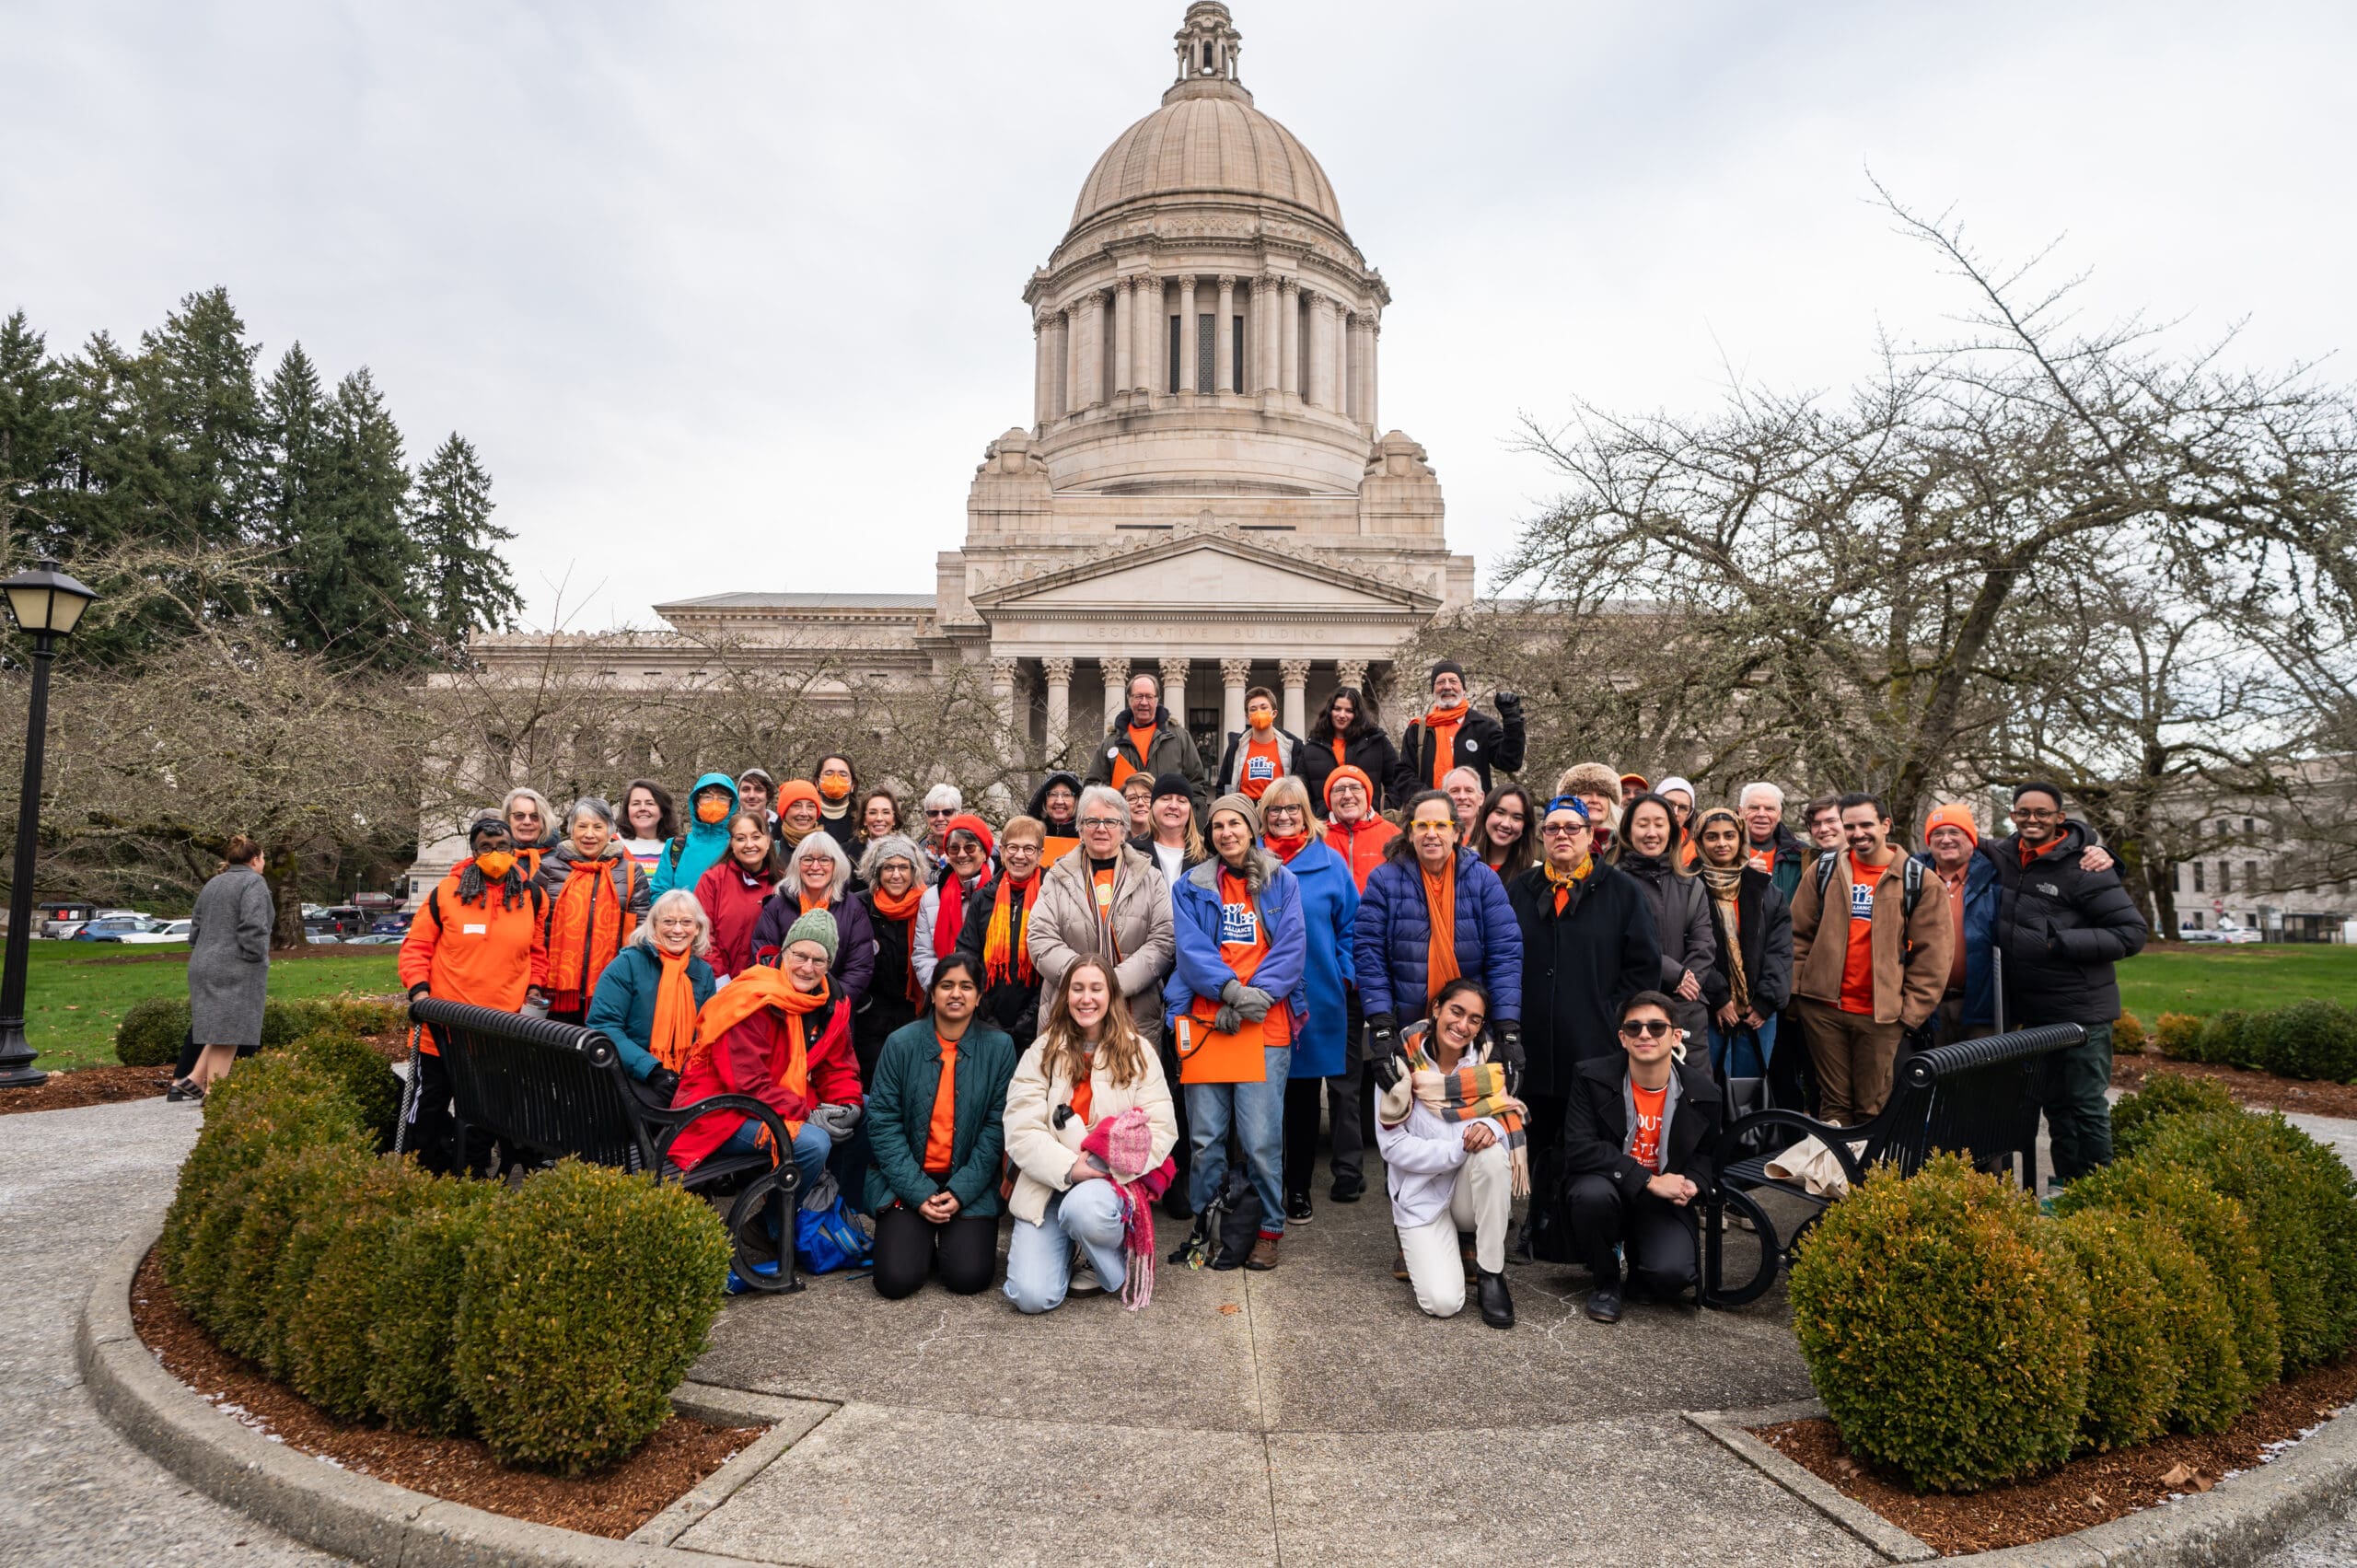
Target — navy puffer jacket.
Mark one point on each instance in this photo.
(1393, 939)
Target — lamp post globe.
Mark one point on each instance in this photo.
(46, 605)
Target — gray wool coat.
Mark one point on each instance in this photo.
(228, 957)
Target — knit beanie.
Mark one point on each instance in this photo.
(1349, 770)
(1242, 804)
(1954, 814)
(1674, 782)
(482, 825)
(818, 926)
(1173, 783)
(1446, 667)
(798, 789)
(966, 821)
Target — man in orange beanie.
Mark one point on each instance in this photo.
(1967, 1009)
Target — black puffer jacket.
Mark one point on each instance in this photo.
(1578, 967)
(1764, 923)
(1372, 753)
(2058, 931)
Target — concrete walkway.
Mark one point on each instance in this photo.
(1309, 1415)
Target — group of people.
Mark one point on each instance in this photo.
(1158, 985)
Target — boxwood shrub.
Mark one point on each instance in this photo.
(153, 1029)
(2129, 1035)
(412, 1330)
(2178, 1035)
(2220, 1233)
(274, 1197)
(327, 1354)
(2212, 1390)
(2309, 1040)
(367, 1077)
(1946, 1336)
(588, 1294)
(2164, 1094)
(2227, 1037)
(2132, 1367)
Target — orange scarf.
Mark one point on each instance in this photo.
(579, 951)
(1006, 951)
(809, 903)
(903, 910)
(1440, 902)
(1338, 758)
(1442, 725)
(941, 1128)
(1563, 881)
(673, 1037)
(747, 995)
(1285, 846)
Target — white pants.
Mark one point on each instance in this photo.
(1482, 1201)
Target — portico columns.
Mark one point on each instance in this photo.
(1351, 672)
(1058, 674)
(1002, 695)
(1039, 345)
(1296, 675)
(1123, 333)
(1374, 341)
(1174, 681)
(1223, 347)
(1235, 674)
(1190, 355)
(1117, 687)
(1265, 332)
(1092, 351)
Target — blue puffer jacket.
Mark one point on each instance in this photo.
(1980, 926)
(1194, 922)
(623, 1003)
(1395, 934)
(1330, 909)
(705, 842)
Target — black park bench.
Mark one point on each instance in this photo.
(544, 1091)
(1970, 1099)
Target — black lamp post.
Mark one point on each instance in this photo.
(49, 604)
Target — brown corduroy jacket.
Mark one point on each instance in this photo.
(1911, 955)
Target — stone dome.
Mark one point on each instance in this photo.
(1207, 140)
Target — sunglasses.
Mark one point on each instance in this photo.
(1563, 830)
(1646, 1029)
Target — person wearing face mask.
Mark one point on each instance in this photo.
(1638, 1144)
(837, 784)
(648, 997)
(1650, 843)
(966, 847)
(1056, 804)
(1451, 735)
(1433, 911)
(798, 814)
(1752, 926)
(1318, 1080)
(755, 791)
(734, 891)
(1242, 949)
(531, 828)
(894, 869)
(1456, 1155)
(936, 1131)
(481, 937)
(596, 897)
(1110, 900)
(817, 878)
(648, 823)
(1079, 1228)
(1176, 844)
(1259, 754)
(998, 933)
(783, 1037)
(687, 857)
(1352, 829)
(1349, 734)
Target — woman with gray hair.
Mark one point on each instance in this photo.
(648, 998)
(531, 827)
(817, 877)
(942, 802)
(596, 895)
(894, 869)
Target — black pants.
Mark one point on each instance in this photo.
(1544, 1127)
(909, 1246)
(1179, 1151)
(434, 1130)
(1658, 1236)
(1340, 1100)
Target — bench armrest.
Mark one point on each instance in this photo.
(678, 1118)
(1837, 1140)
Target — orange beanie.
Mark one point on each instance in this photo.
(1954, 814)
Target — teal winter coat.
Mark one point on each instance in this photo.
(682, 862)
(900, 1113)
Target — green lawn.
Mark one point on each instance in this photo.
(2201, 980)
(76, 992)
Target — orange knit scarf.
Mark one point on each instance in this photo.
(1440, 902)
(1006, 951)
(747, 995)
(673, 1035)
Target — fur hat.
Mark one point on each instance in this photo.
(818, 926)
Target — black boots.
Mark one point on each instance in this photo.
(1497, 1305)
(1604, 1302)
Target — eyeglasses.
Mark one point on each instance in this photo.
(2022, 816)
(1103, 822)
(1646, 1029)
(1421, 823)
(1563, 830)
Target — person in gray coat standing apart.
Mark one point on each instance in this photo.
(228, 964)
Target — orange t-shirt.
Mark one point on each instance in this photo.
(1083, 1096)
(1140, 741)
(941, 1133)
(1955, 910)
(1259, 770)
(1645, 1148)
(1242, 945)
(1764, 859)
(1858, 963)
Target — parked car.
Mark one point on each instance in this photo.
(113, 927)
(60, 919)
(161, 931)
(2236, 934)
(373, 939)
(393, 926)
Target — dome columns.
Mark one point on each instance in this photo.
(1223, 347)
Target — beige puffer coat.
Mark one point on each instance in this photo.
(1064, 927)
(1043, 1155)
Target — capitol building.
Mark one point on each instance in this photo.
(1204, 490)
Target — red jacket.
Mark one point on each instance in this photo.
(734, 901)
(750, 1060)
(487, 954)
(1360, 844)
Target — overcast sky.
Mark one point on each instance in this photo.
(728, 296)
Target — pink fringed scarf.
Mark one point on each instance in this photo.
(1124, 1142)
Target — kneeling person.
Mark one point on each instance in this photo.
(1453, 1152)
(1637, 1141)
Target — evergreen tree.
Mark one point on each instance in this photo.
(350, 572)
(467, 583)
(32, 438)
(201, 415)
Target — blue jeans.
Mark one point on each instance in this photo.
(1257, 1111)
(1038, 1257)
(1734, 1055)
(811, 1147)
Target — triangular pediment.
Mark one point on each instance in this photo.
(1200, 569)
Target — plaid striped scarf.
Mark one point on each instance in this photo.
(1473, 1090)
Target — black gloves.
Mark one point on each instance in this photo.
(664, 1084)
(1509, 706)
(1383, 1055)
(420, 989)
(1510, 1043)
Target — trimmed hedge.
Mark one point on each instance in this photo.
(327, 1351)
(2178, 1035)
(411, 1335)
(556, 1376)
(2128, 1035)
(152, 1030)
(2133, 1371)
(2212, 1390)
(2309, 1040)
(274, 1197)
(366, 1077)
(1945, 1332)
(2134, 1119)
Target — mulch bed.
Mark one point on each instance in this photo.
(112, 1085)
(2091, 1489)
(2264, 1090)
(611, 1503)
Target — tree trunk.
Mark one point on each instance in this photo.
(286, 897)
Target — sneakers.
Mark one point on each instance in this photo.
(1264, 1255)
(1497, 1303)
(1083, 1281)
(184, 1090)
(1400, 1265)
(1297, 1208)
(1604, 1304)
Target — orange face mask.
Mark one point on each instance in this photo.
(834, 785)
(1261, 718)
(711, 809)
(496, 865)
